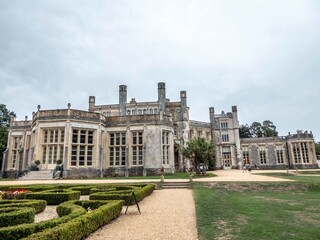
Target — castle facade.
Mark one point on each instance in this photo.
(139, 138)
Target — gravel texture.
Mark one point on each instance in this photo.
(165, 214)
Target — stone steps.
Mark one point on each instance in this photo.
(175, 185)
(37, 175)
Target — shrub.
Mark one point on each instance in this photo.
(24, 230)
(82, 226)
(94, 190)
(141, 192)
(85, 190)
(55, 196)
(13, 216)
(38, 205)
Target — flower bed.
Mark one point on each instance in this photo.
(19, 193)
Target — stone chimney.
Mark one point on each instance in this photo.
(92, 103)
(162, 96)
(122, 100)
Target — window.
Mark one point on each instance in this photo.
(262, 155)
(224, 124)
(137, 148)
(245, 154)
(304, 152)
(225, 136)
(52, 145)
(279, 151)
(165, 147)
(117, 149)
(151, 111)
(191, 134)
(15, 150)
(82, 147)
(296, 152)
(175, 127)
(209, 136)
(155, 111)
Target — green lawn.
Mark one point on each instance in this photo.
(257, 211)
(178, 175)
(313, 176)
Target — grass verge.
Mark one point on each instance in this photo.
(256, 211)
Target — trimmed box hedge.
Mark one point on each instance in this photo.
(55, 196)
(12, 216)
(24, 230)
(38, 205)
(82, 226)
(125, 193)
(48, 229)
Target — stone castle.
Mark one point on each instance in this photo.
(139, 138)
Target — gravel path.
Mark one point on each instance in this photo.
(165, 214)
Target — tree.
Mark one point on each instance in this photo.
(317, 147)
(269, 129)
(5, 116)
(256, 129)
(198, 150)
(244, 131)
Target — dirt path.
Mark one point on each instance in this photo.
(165, 214)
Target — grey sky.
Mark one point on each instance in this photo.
(263, 56)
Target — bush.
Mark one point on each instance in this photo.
(24, 230)
(38, 205)
(85, 190)
(55, 196)
(94, 190)
(141, 192)
(13, 216)
(83, 225)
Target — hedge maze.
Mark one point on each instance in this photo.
(77, 218)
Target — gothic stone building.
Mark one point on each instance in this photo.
(291, 151)
(139, 138)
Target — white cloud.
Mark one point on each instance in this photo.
(260, 55)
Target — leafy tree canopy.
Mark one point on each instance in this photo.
(5, 116)
(256, 129)
(198, 150)
(317, 145)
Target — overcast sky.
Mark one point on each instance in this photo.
(263, 56)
